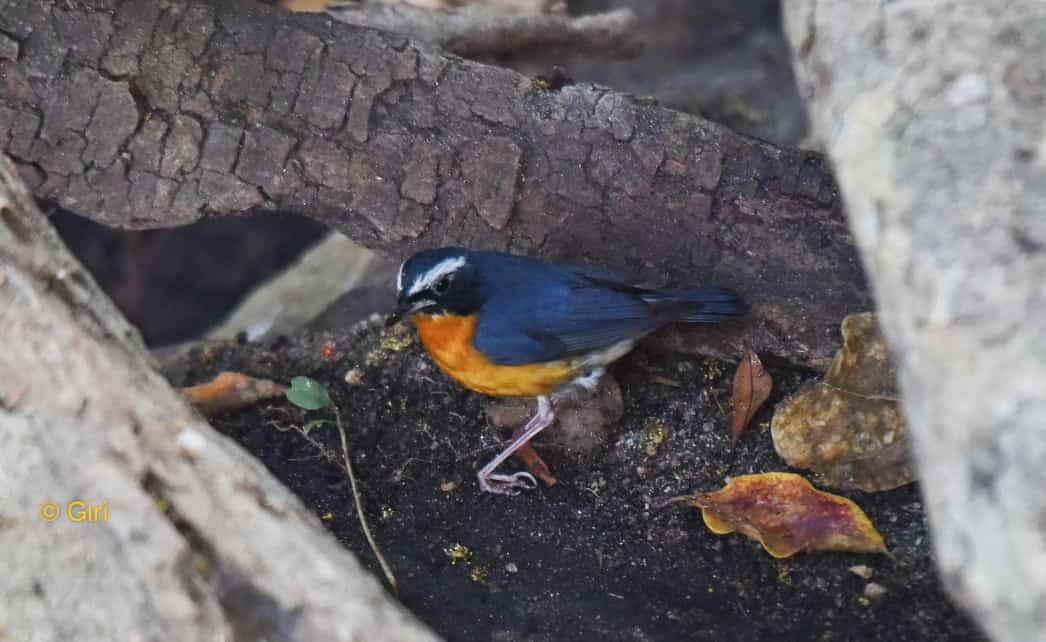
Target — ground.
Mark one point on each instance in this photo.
(592, 557)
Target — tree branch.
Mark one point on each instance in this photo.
(165, 112)
(197, 541)
(476, 31)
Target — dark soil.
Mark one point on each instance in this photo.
(590, 558)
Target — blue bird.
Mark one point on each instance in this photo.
(506, 325)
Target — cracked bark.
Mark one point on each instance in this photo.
(233, 556)
(227, 107)
(932, 113)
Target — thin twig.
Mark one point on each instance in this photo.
(668, 501)
(385, 568)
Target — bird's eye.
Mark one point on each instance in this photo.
(442, 285)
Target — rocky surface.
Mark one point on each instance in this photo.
(932, 114)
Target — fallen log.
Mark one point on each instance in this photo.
(479, 31)
(168, 111)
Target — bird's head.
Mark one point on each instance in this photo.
(438, 281)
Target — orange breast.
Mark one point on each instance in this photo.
(448, 338)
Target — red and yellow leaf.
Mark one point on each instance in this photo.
(786, 514)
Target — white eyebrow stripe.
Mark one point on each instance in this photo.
(436, 272)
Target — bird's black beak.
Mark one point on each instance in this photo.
(403, 307)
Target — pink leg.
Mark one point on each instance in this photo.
(490, 482)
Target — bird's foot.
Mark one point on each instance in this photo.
(499, 484)
(491, 482)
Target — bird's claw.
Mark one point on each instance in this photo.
(507, 484)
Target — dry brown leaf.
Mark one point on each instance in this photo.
(849, 429)
(752, 385)
(786, 514)
(230, 390)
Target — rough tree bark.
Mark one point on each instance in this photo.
(933, 115)
(231, 554)
(167, 111)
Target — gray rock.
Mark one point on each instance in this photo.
(932, 113)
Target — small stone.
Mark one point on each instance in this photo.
(354, 377)
(874, 591)
(584, 418)
(511, 568)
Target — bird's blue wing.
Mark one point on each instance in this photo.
(558, 313)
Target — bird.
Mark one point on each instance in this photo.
(513, 326)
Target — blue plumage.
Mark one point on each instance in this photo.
(531, 311)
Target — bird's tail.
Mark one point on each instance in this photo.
(717, 304)
(706, 305)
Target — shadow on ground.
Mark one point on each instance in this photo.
(588, 559)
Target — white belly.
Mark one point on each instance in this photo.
(595, 363)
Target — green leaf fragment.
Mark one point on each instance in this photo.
(308, 394)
